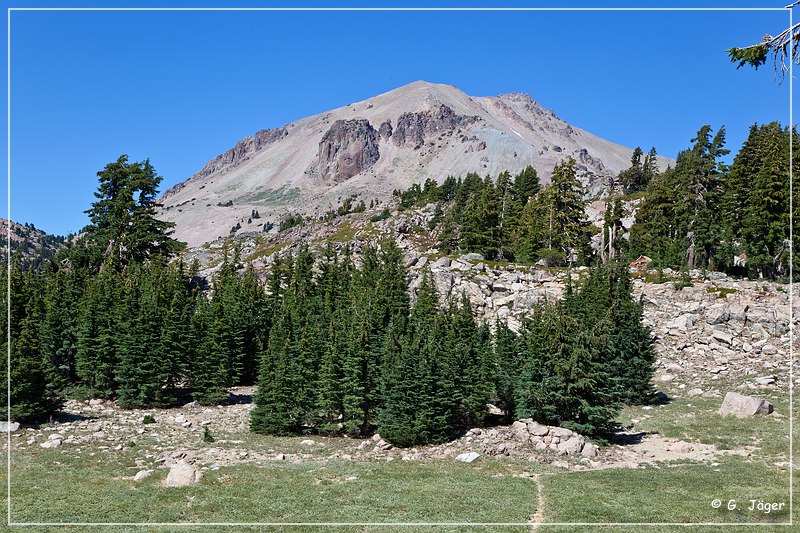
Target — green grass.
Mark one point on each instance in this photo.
(51, 486)
(265, 249)
(722, 292)
(675, 493)
(345, 232)
(55, 485)
(271, 197)
(696, 419)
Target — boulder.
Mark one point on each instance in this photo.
(182, 475)
(561, 433)
(142, 474)
(721, 336)
(520, 430)
(571, 446)
(589, 450)
(538, 430)
(469, 457)
(5, 427)
(442, 262)
(743, 406)
(769, 349)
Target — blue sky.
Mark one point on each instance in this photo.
(182, 87)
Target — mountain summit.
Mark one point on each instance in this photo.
(367, 149)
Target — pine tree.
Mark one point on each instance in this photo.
(32, 398)
(59, 327)
(142, 369)
(508, 363)
(98, 334)
(123, 224)
(278, 411)
(208, 368)
(561, 381)
(764, 229)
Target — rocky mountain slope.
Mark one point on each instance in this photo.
(367, 149)
(31, 244)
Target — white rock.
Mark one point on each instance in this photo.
(571, 446)
(589, 450)
(469, 457)
(561, 433)
(142, 474)
(769, 349)
(182, 475)
(743, 406)
(6, 427)
(538, 430)
(307, 442)
(723, 337)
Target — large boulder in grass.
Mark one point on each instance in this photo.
(183, 475)
(742, 406)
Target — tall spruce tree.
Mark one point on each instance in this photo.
(123, 222)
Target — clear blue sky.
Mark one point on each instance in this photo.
(182, 87)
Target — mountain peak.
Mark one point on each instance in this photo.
(367, 149)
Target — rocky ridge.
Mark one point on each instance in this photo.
(366, 150)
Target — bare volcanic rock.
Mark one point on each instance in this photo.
(386, 129)
(742, 406)
(242, 151)
(413, 127)
(347, 148)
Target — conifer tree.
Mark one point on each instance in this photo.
(98, 334)
(560, 381)
(59, 327)
(508, 364)
(278, 408)
(32, 398)
(208, 372)
(764, 229)
(123, 224)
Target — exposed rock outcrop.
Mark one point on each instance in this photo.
(242, 151)
(412, 128)
(386, 129)
(347, 148)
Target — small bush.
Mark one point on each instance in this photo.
(383, 215)
(207, 435)
(148, 419)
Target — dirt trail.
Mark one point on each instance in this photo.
(538, 516)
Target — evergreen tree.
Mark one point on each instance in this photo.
(208, 372)
(764, 228)
(560, 383)
(98, 334)
(59, 327)
(32, 398)
(123, 224)
(278, 408)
